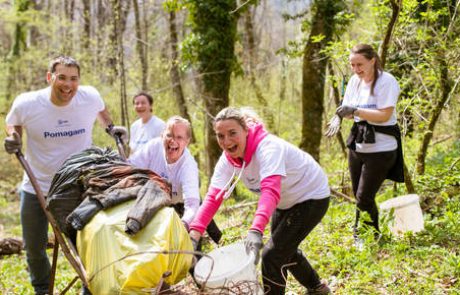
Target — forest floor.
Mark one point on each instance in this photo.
(427, 262)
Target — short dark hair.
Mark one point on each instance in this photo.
(65, 61)
(143, 93)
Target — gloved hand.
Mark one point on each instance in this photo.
(345, 111)
(253, 243)
(118, 131)
(333, 126)
(194, 244)
(13, 143)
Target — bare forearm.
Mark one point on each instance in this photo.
(104, 118)
(374, 115)
(11, 128)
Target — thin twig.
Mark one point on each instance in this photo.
(227, 209)
(441, 140)
(339, 194)
(241, 6)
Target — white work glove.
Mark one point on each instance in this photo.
(333, 127)
(253, 243)
(120, 131)
(13, 143)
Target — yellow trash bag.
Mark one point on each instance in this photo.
(117, 263)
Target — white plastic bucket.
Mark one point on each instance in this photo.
(407, 213)
(231, 266)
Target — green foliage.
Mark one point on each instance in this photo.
(210, 46)
(422, 263)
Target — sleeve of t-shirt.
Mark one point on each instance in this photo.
(388, 92)
(16, 114)
(271, 157)
(190, 189)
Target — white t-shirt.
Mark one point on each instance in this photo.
(141, 133)
(54, 132)
(302, 178)
(386, 92)
(183, 175)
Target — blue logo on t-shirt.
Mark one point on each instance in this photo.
(58, 134)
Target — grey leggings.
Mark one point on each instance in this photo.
(367, 172)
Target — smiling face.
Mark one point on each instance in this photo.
(142, 107)
(362, 66)
(175, 139)
(64, 84)
(231, 137)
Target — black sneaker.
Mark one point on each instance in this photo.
(319, 290)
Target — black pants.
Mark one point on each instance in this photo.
(213, 230)
(367, 172)
(288, 229)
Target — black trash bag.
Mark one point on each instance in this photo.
(97, 179)
(66, 191)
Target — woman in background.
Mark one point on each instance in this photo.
(147, 126)
(375, 151)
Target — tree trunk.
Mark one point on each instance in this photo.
(215, 26)
(445, 93)
(250, 44)
(34, 32)
(267, 113)
(314, 74)
(86, 24)
(141, 45)
(102, 54)
(18, 46)
(118, 28)
(175, 74)
(395, 7)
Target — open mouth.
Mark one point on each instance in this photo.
(232, 149)
(66, 92)
(173, 149)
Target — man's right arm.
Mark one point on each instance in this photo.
(11, 128)
(13, 142)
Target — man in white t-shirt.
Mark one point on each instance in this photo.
(58, 121)
(169, 157)
(148, 126)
